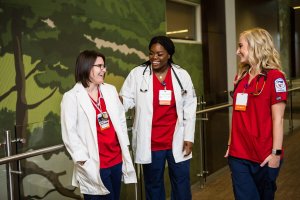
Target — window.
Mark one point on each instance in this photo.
(183, 20)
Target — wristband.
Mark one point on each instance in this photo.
(276, 152)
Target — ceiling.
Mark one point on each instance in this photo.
(295, 3)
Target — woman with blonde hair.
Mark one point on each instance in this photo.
(259, 98)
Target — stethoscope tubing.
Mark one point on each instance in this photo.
(261, 74)
(183, 91)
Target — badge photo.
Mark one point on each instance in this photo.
(103, 120)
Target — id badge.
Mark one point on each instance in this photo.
(165, 97)
(103, 120)
(241, 101)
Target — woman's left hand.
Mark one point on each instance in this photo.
(187, 147)
(272, 160)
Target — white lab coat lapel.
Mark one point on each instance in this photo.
(177, 92)
(110, 105)
(149, 93)
(87, 106)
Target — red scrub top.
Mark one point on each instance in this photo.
(251, 134)
(164, 116)
(108, 143)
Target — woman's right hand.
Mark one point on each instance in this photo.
(227, 153)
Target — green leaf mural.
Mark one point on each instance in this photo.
(40, 40)
(53, 34)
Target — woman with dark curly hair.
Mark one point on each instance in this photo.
(164, 99)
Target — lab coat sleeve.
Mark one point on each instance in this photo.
(128, 91)
(69, 129)
(122, 117)
(189, 110)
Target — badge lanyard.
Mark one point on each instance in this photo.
(102, 117)
(145, 89)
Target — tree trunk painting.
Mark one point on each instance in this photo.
(21, 105)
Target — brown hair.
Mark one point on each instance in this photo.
(84, 64)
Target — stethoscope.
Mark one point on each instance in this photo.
(146, 88)
(257, 92)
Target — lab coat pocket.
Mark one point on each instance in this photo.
(178, 140)
(86, 173)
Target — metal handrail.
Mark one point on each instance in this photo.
(8, 160)
(214, 108)
(31, 153)
(203, 174)
(61, 146)
(293, 89)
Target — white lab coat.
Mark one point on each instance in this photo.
(79, 134)
(143, 103)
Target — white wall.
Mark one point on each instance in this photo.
(231, 44)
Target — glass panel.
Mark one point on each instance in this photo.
(2, 146)
(3, 182)
(49, 176)
(215, 137)
(181, 20)
(196, 161)
(39, 135)
(293, 106)
(217, 127)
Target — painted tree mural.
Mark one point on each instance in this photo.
(39, 42)
(52, 34)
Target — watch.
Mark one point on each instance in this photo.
(276, 152)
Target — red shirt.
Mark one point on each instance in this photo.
(164, 116)
(252, 131)
(108, 143)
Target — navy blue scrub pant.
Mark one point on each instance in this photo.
(111, 178)
(179, 174)
(250, 181)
